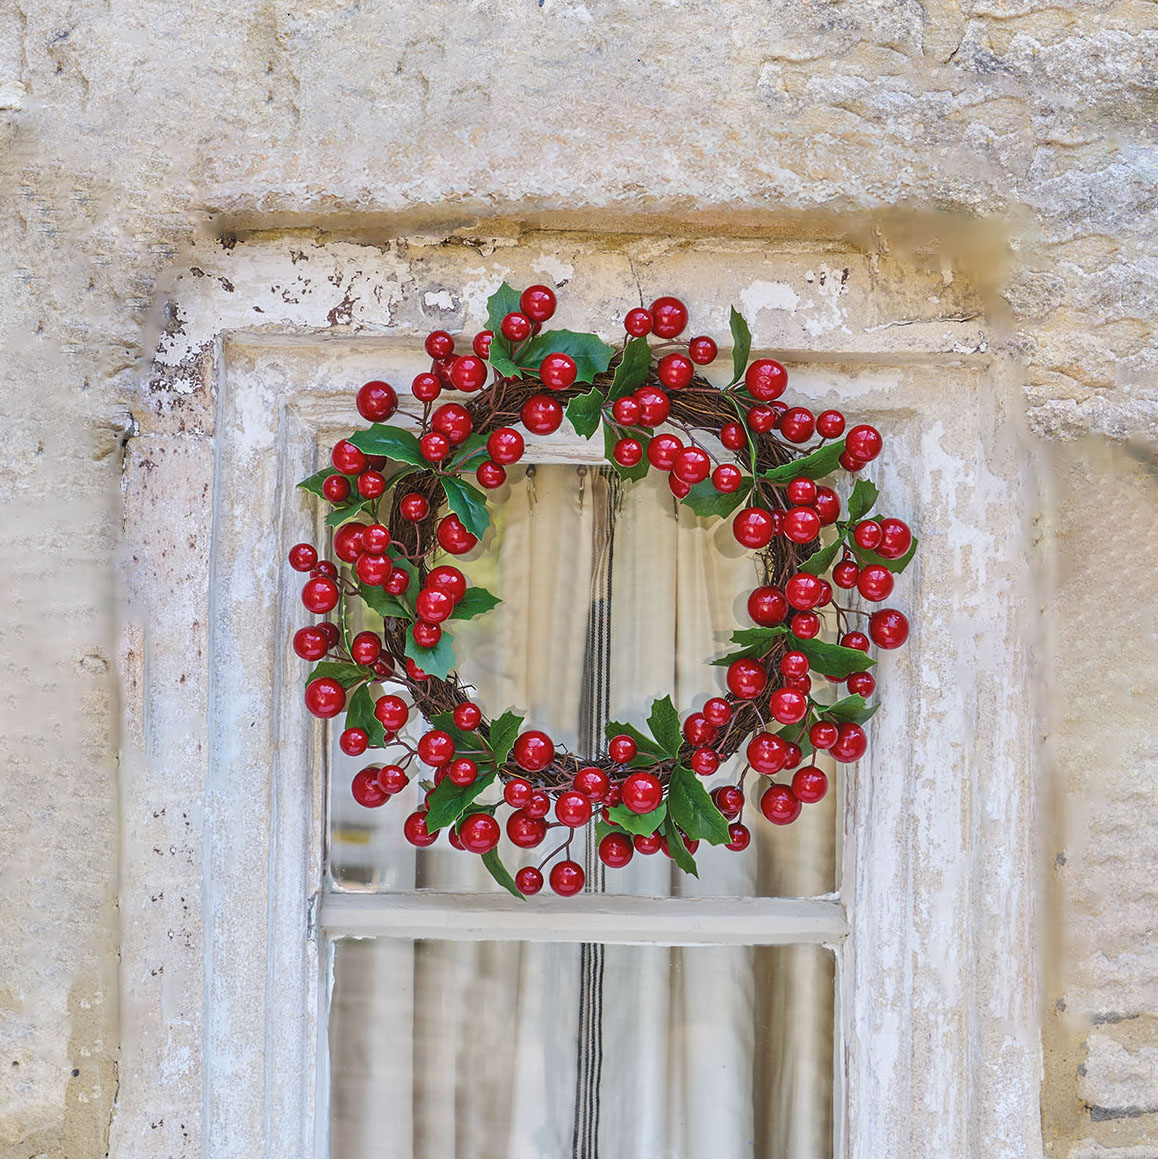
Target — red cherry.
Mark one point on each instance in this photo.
(397, 581)
(426, 387)
(372, 570)
(325, 697)
(415, 831)
(311, 643)
(447, 579)
(454, 537)
(426, 635)
(542, 414)
(767, 606)
(801, 524)
(746, 679)
(354, 741)
(622, 749)
(482, 343)
(462, 771)
(638, 322)
(830, 424)
(452, 420)
(654, 406)
(862, 684)
(320, 595)
(703, 350)
(647, 844)
(516, 327)
(439, 344)
(375, 539)
(698, 730)
(767, 753)
(809, 784)
(804, 591)
(802, 492)
(857, 640)
(467, 716)
(593, 783)
(642, 792)
(625, 411)
(762, 419)
(753, 527)
(436, 748)
(705, 761)
(627, 452)
(479, 833)
(558, 371)
(566, 878)
(537, 302)
(669, 316)
(616, 850)
(867, 534)
(433, 605)
(779, 805)
(888, 628)
(376, 401)
(896, 539)
(336, 488)
(863, 443)
(528, 880)
(691, 465)
(365, 647)
(675, 371)
(788, 705)
(366, 790)
(733, 437)
(851, 742)
(468, 373)
(766, 379)
(539, 804)
(729, 800)
(572, 809)
(505, 445)
(347, 458)
(718, 711)
(414, 507)
(517, 793)
(797, 424)
(533, 751)
(303, 557)
(662, 451)
(875, 583)
(727, 478)
(804, 625)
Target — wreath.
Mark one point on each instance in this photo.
(400, 501)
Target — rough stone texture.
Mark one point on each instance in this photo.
(1016, 135)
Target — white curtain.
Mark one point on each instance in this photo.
(481, 1050)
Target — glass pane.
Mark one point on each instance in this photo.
(547, 1051)
(611, 598)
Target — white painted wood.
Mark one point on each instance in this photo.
(586, 918)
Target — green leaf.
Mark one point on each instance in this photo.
(741, 344)
(861, 501)
(502, 735)
(314, 483)
(504, 301)
(383, 603)
(644, 743)
(347, 675)
(602, 828)
(679, 851)
(499, 872)
(896, 566)
(753, 642)
(465, 743)
(815, 466)
(348, 511)
(643, 824)
(820, 561)
(360, 714)
(798, 734)
(610, 438)
(473, 448)
(633, 369)
(393, 442)
(468, 503)
(832, 659)
(476, 602)
(664, 723)
(591, 354)
(705, 500)
(449, 801)
(854, 708)
(691, 807)
(585, 412)
(437, 661)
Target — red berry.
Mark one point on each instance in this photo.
(434, 446)
(616, 850)
(517, 793)
(845, 574)
(767, 606)
(462, 771)
(325, 697)
(537, 302)
(691, 465)
(875, 582)
(325, 568)
(372, 570)
(642, 792)
(718, 711)
(542, 414)
(766, 379)
(505, 445)
(415, 831)
(490, 475)
(376, 401)
(479, 833)
(397, 581)
(433, 605)
(733, 437)
(320, 595)
(348, 544)
(648, 843)
(801, 524)
(809, 784)
(414, 507)
(779, 805)
(622, 749)
(426, 387)
(888, 628)
(800, 683)
(654, 406)
(675, 371)
(804, 591)
(447, 579)
(558, 371)
(703, 350)
(439, 344)
(566, 878)
(435, 748)
(482, 343)
(727, 478)
(414, 672)
(830, 424)
(365, 647)
(823, 734)
(698, 730)
(753, 527)
(371, 484)
(539, 804)
(516, 327)
(528, 880)
(467, 716)
(862, 684)
(767, 753)
(454, 537)
(805, 625)
(896, 539)
(638, 322)
(348, 459)
(677, 486)
(662, 451)
(392, 779)
(850, 462)
(426, 635)
(303, 557)
(366, 790)
(802, 492)
(592, 782)
(857, 640)
(669, 316)
(627, 452)
(311, 643)
(336, 488)
(788, 705)
(797, 424)
(746, 679)
(827, 506)
(850, 742)
(739, 837)
(705, 761)
(452, 420)
(867, 534)
(533, 751)
(375, 539)
(468, 373)
(729, 800)
(863, 443)
(762, 419)
(354, 741)
(572, 809)
(625, 411)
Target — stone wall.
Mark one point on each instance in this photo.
(1011, 137)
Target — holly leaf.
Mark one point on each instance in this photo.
(465, 743)
(504, 301)
(585, 412)
(896, 566)
(468, 503)
(664, 723)
(360, 714)
(794, 734)
(705, 500)
(691, 807)
(348, 511)
(753, 642)
(476, 602)
(447, 803)
(393, 442)
(314, 483)
(832, 659)
(610, 438)
(861, 501)
(853, 708)
(815, 466)
(382, 602)
(437, 661)
(741, 344)
(820, 561)
(499, 872)
(602, 828)
(680, 853)
(642, 824)
(643, 742)
(633, 369)
(347, 675)
(502, 735)
(591, 354)
(473, 448)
